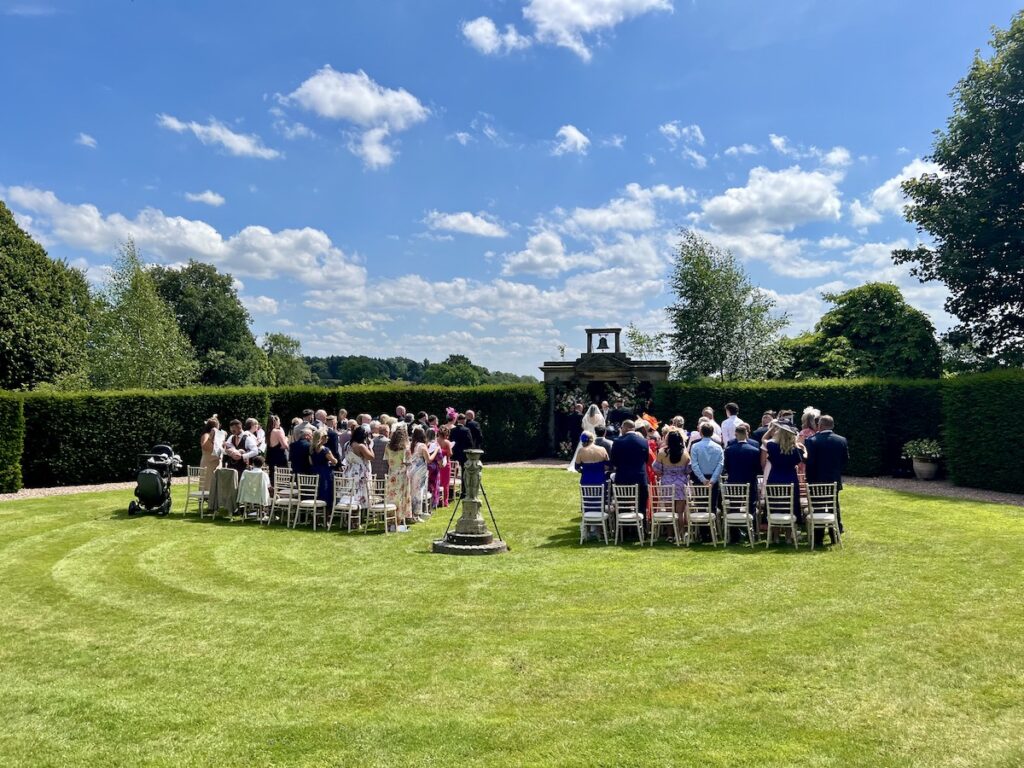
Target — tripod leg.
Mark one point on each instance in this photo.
(454, 512)
(491, 511)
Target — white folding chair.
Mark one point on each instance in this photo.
(380, 509)
(284, 497)
(822, 506)
(627, 510)
(592, 510)
(663, 511)
(699, 513)
(456, 482)
(345, 501)
(736, 508)
(308, 504)
(779, 506)
(195, 478)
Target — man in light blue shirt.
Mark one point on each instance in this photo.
(707, 459)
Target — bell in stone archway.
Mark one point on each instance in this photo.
(602, 344)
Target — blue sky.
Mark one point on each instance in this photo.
(423, 178)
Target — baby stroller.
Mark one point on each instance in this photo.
(153, 483)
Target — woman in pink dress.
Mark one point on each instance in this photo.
(444, 479)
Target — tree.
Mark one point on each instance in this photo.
(136, 342)
(869, 331)
(455, 371)
(973, 208)
(209, 312)
(723, 325)
(643, 346)
(285, 355)
(44, 309)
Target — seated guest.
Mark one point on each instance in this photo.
(673, 468)
(708, 460)
(827, 454)
(785, 454)
(629, 455)
(743, 465)
(766, 421)
(298, 453)
(591, 461)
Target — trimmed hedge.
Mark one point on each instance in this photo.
(95, 437)
(876, 416)
(12, 436)
(980, 414)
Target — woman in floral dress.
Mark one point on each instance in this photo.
(357, 465)
(397, 457)
(673, 468)
(419, 475)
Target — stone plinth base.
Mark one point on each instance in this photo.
(469, 544)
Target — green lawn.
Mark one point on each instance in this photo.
(127, 642)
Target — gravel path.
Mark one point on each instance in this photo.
(941, 488)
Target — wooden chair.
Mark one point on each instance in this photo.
(592, 510)
(663, 511)
(736, 509)
(380, 509)
(345, 501)
(308, 504)
(284, 497)
(195, 478)
(779, 506)
(699, 513)
(627, 510)
(822, 506)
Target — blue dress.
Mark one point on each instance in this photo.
(783, 471)
(593, 473)
(325, 485)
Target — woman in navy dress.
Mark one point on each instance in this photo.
(591, 461)
(323, 466)
(277, 445)
(785, 454)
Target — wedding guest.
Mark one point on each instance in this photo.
(462, 439)
(708, 460)
(342, 417)
(419, 459)
(357, 464)
(433, 467)
(576, 423)
(364, 421)
(672, 467)
(785, 454)
(322, 462)
(591, 461)
(445, 478)
(252, 426)
(629, 455)
(298, 452)
(400, 412)
(809, 423)
(333, 436)
(827, 454)
(277, 445)
(239, 448)
(379, 462)
(729, 425)
(766, 421)
(605, 410)
(397, 489)
(306, 421)
(474, 429)
(678, 422)
(600, 438)
(709, 414)
(618, 415)
(320, 419)
(743, 465)
(210, 458)
(421, 420)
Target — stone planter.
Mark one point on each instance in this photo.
(925, 469)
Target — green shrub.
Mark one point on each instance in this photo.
(12, 435)
(980, 440)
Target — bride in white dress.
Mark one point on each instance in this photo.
(591, 419)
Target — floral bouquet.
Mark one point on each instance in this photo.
(923, 449)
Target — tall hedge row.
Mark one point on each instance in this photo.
(860, 407)
(12, 435)
(981, 413)
(94, 437)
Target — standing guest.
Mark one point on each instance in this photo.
(618, 414)
(277, 445)
(379, 444)
(364, 421)
(211, 459)
(333, 437)
(410, 422)
(445, 476)
(600, 438)
(432, 423)
(827, 454)
(433, 467)
(397, 492)
(644, 429)
(474, 429)
(766, 422)
(785, 455)
(743, 465)
(344, 436)
(629, 455)
(605, 410)
(729, 425)
(400, 413)
(322, 462)
(809, 423)
(421, 420)
(449, 417)
(576, 424)
(307, 421)
(462, 439)
(239, 449)
(708, 460)
(672, 468)
(342, 417)
(320, 419)
(252, 426)
(357, 465)
(419, 474)
(678, 422)
(298, 452)
(709, 414)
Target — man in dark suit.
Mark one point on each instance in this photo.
(298, 453)
(461, 439)
(743, 465)
(601, 440)
(474, 429)
(629, 455)
(766, 423)
(575, 424)
(333, 442)
(827, 454)
(616, 416)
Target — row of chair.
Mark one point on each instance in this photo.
(624, 512)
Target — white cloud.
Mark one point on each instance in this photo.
(676, 132)
(695, 157)
(480, 224)
(863, 215)
(85, 140)
(571, 139)
(306, 255)
(462, 137)
(784, 256)
(835, 242)
(260, 305)
(209, 197)
(215, 132)
(356, 98)
(741, 149)
(633, 211)
(775, 200)
(483, 34)
(544, 255)
(889, 197)
(566, 23)
(837, 157)
(780, 144)
(616, 141)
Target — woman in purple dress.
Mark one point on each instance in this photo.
(672, 467)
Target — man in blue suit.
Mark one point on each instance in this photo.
(743, 465)
(827, 454)
(629, 455)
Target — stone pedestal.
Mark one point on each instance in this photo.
(471, 535)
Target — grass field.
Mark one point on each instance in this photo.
(128, 642)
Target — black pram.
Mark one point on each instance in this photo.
(153, 483)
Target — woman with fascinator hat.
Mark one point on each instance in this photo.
(785, 454)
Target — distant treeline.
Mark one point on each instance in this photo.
(455, 371)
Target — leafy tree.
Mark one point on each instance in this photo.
(455, 371)
(643, 346)
(870, 331)
(723, 325)
(211, 315)
(972, 208)
(136, 342)
(285, 355)
(44, 308)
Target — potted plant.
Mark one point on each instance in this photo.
(926, 455)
